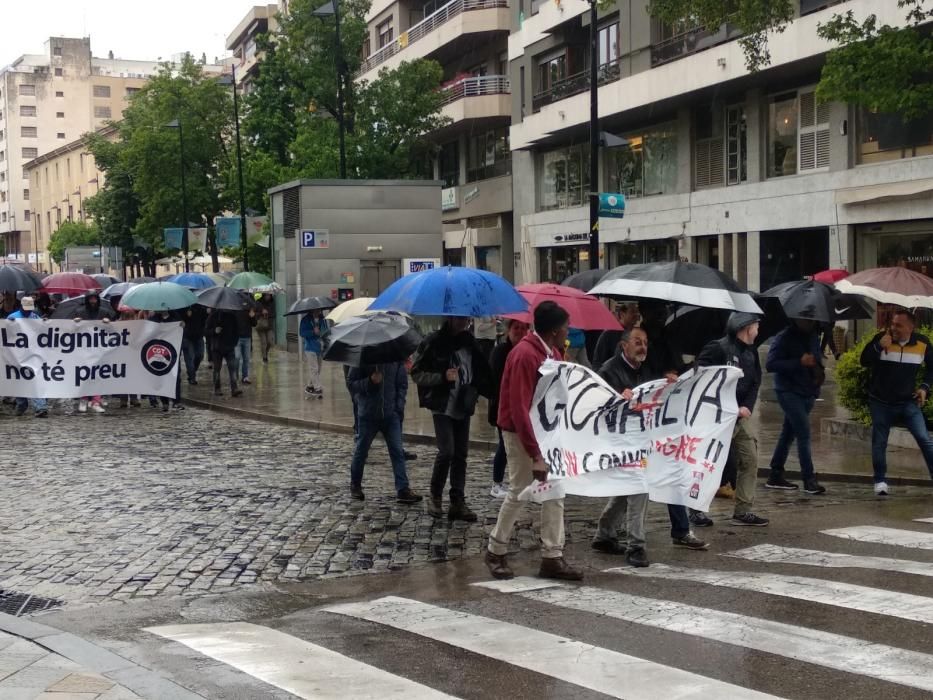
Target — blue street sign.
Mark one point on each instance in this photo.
(612, 206)
(315, 239)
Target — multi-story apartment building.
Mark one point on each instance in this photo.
(261, 19)
(747, 172)
(469, 38)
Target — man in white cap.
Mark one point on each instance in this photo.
(28, 311)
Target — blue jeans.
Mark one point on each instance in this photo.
(883, 416)
(243, 348)
(500, 461)
(680, 521)
(192, 349)
(391, 429)
(37, 404)
(796, 426)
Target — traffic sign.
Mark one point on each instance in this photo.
(318, 239)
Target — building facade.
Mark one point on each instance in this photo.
(747, 173)
(469, 38)
(260, 19)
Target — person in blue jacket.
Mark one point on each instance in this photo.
(312, 330)
(379, 392)
(40, 406)
(796, 362)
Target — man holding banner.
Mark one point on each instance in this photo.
(526, 463)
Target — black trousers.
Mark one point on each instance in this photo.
(453, 440)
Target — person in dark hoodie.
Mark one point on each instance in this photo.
(223, 330)
(379, 393)
(737, 349)
(797, 364)
(169, 317)
(192, 341)
(91, 310)
(451, 372)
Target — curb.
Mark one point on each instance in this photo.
(143, 681)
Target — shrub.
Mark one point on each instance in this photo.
(852, 380)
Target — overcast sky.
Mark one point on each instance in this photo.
(132, 29)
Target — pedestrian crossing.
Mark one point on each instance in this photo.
(494, 631)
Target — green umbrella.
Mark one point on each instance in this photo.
(250, 280)
(158, 296)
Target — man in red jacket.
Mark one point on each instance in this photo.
(551, 325)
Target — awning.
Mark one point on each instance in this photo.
(891, 192)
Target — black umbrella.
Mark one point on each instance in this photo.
(303, 306)
(142, 280)
(71, 308)
(223, 299)
(805, 299)
(13, 278)
(105, 280)
(693, 326)
(852, 307)
(371, 340)
(117, 290)
(586, 280)
(680, 282)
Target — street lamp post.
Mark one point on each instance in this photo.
(326, 10)
(594, 139)
(239, 168)
(176, 124)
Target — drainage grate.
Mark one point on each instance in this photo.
(17, 603)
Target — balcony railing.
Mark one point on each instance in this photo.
(690, 41)
(574, 85)
(426, 26)
(476, 87)
(808, 7)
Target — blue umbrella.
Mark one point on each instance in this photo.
(192, 280)
(451, 291)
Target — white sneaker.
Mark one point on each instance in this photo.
(499, 491)
(82, 406)
(881, 489)
(97, 408)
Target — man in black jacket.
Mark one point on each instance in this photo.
(450, 371)
(223, 330)
(895, 357)
(192, 341)
(737, 349)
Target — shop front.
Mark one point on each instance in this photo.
(792, 255)
(639, 252)
(568, 255)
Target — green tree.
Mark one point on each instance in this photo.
(72, 234)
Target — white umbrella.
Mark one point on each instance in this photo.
(891, 285)
(354, 307)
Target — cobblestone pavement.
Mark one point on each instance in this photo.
(139, 503)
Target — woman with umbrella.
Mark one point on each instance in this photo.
(312, 329)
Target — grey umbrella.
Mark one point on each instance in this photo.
(69, 308)
(223, 299)
(15, 279)
(303, 306)
(371, 340)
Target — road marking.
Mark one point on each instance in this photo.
(923, 520)
(774, 554)
(605, 671)
(801, 588)
(884, 535)
(833, 651)
(302, 668)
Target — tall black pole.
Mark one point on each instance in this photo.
(184, 195)
(594, 140)
(340, 116)
(239, 169)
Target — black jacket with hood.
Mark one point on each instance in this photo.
(731, 351)
(436, 354)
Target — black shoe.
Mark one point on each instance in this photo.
(559, 569)
(637, 557)
(409, 456)
(407, 497)
(236, 392)
(749, 519)
(608, 546)
(701, 520)
(165, 408)
(435, 507)
(498, 566)
(356, 493)
(780, 483)
(42, 414)
(21, 410)
(459, 510)
(813, 486)
(192, 381)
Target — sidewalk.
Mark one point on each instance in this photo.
(277, 395)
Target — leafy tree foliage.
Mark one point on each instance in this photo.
(72, 234)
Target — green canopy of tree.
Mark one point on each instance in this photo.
(72, 234)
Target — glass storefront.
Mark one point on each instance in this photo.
(642, 252)
(558, 263)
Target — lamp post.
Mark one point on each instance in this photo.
(176, 124)
(326, 10)
(594, 139)
(239, 168)
(35, 237)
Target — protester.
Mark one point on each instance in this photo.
(39, 406)
(796, 361)
(451, 372)
(245, 323)
(486, 331)
(169, 317)
(515, 331)
(526, 463)
(576, 348)
(312, 329)
(737, 349)
(224, 331)
(44, 305)
(8, 304)
(894, 358)
(379, 393)
(192, 341)
(265, 325)
(608, 342)
(91, 310)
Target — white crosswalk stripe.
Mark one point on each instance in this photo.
(302, 668)
(884, 535)
(845, 595)
(775, 554)
(923, 520)
(833, 651)
(609, 672)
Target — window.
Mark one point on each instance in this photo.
(30, 153)
(27, 90)
(27, 215)
(645, 165)
(26, 194)
(56, 50)
(130, 91)
(27, 110)
(565, 178)
(736, 145)
(68, 167)
(101, 112)
(552, 72)
(59, 115)
(449, 164)
(3, 218)
(59, 93)
(367, 47)
(488, 155)
(28, 132)
(384, 33)
(720, 146)
(608, 41)
(101, 91)
(59, 72)
(799, 138)
(60, 135)
(888, 137)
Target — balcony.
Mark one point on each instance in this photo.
(426, 26)
(485, 97)
(574, 85)
(690, 41)
(476, 87)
